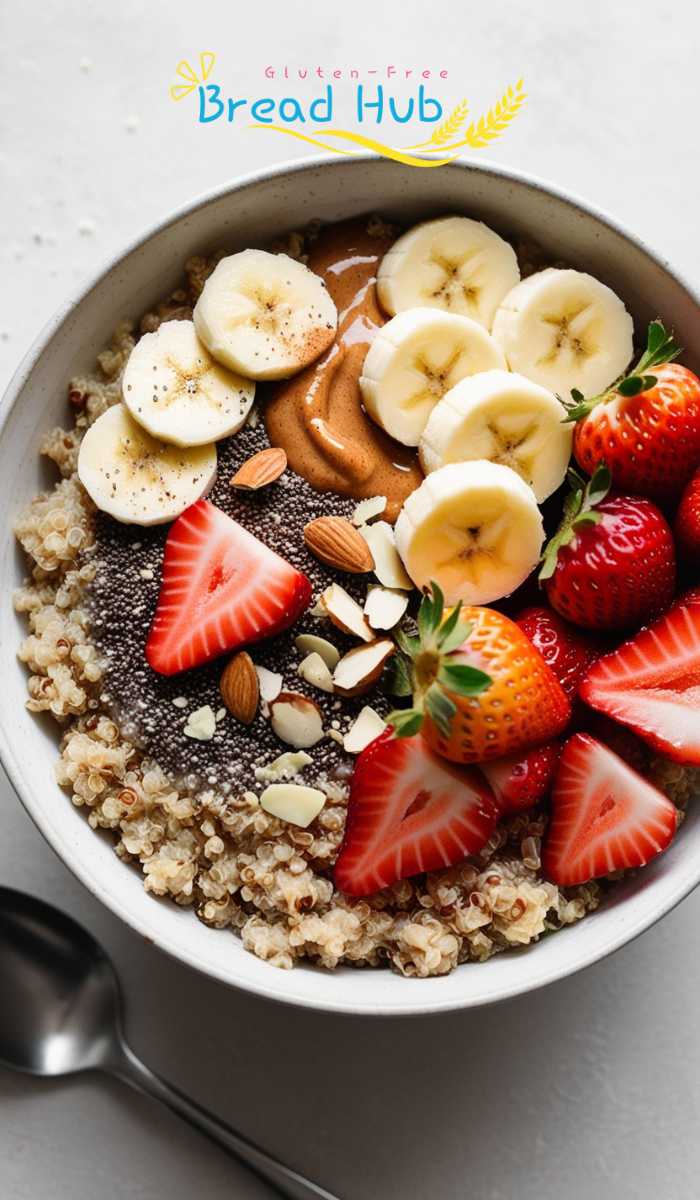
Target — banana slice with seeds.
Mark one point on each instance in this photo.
(564, 329)
(505, 418)
(174, 388)
(453, 263)
(414, 360)
(265, 315)
(137, 479)
(474, 528)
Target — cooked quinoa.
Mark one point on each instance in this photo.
(213, 849)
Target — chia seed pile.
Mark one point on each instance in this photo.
(151, 709)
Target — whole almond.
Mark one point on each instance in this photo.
(239, 687)
(260, 470)
(338, 544)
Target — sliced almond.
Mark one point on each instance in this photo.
(285, 766)
(316, 672)
(201, 724)
(365, 728)
(367, 509)
(270, 684)
(240, 687)
(292, 802)
(345, 613)
(296, 720)
(387, 565)
(384, 607)
(260, 470)
(310, 643)
(337, 543)
(361, 667)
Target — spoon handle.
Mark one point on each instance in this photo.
(288, 1183)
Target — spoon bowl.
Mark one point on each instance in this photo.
(60, 1013)
(59, 1003)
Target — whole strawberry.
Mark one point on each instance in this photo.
(566, 651)
(480, 688)
(646, 428)
(687, 523)
(611, 564)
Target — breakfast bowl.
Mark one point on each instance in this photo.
(255, 211)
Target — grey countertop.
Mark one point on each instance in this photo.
(587, 1089)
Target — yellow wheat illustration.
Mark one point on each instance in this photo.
(449, 128)
(493, 123)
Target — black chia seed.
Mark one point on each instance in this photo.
(122, 602)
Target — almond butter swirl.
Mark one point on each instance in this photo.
(317, 417)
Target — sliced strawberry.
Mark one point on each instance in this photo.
(221, 588)
(410, 811)
(605, 817)
(652, 683)
(522, 780)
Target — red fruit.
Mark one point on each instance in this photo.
(652, 683)
(647, 427)
(627, 745)
(480, 688)
(409, 811)
(521, 781)
(221, 588)
(567, 652)
(605, 817)
(612, 564)
(687, 524)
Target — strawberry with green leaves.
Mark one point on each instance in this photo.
(480, 688)
(611, 564)
(646, 427)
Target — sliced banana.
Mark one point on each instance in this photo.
(136, 478)
(265, 315)
(473, 528)
(505, 418)
(414, 359)
(564, 329)
(174, 388)
(453, 263)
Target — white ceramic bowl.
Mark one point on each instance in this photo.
(253, 210)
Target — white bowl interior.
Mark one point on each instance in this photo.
(254, 211)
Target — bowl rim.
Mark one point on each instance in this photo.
(627, 932)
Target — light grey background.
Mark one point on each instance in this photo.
(589, 1089)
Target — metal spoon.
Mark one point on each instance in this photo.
(60, 1013)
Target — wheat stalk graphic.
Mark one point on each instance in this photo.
(450, 127)
(493, 123)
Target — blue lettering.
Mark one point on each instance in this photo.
(363, 104)
(232, 106)
(395, 114)
(295, 114)
(423, 103)
(316, 107)
(211, 94)
(260, 108)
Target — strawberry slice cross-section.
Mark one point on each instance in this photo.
(605, 817)
(221, 588)
(652, 682)
(410, 811)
